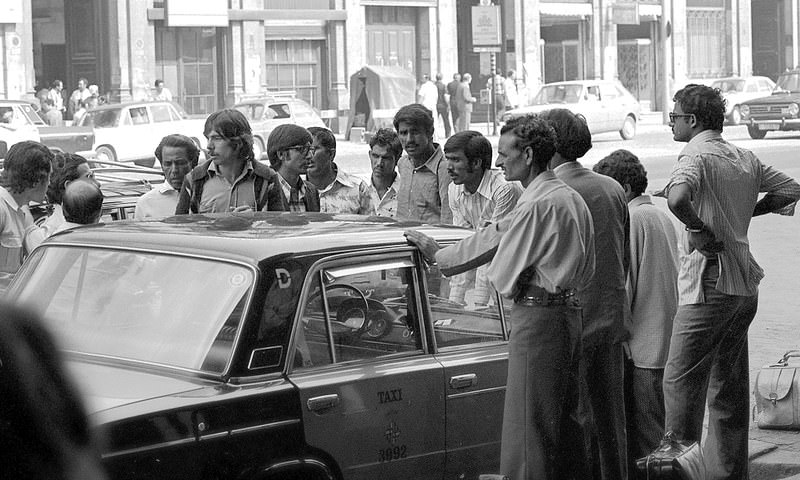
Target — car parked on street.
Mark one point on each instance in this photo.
(779, 111)
(266, 113)
(606, 105)
(272, 346)
(737, 90)
(130, 132)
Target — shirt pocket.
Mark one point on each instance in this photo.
(10, 252)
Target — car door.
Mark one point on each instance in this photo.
(135, 141)
(472, 344)
(615, 106)
(592, 108)
(370, 390)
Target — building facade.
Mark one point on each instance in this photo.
(215, 52)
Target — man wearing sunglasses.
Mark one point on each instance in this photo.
(713, 191)
(289, 151)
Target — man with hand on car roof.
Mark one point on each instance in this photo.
(177, 155)
(231, 180)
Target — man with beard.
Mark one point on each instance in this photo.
(479, 197)
(231, 180)
(422, 195)
(178, 155)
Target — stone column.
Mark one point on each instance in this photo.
(338, 91)
(17, 79)
(679, 59)
(528, 43)
(447, 58)
(140, 44)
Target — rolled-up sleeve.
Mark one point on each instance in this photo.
(687, 170)
(779, 184)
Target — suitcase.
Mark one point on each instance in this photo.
(777, 393)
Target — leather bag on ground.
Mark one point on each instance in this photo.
(673, 460)
(777, 394)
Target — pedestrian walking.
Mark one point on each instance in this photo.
(603, 299)
(714, 190)
(442, 105)
(464, 101)
(652, 301)
(452, 88)
(541, 255)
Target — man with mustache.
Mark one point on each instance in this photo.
(384, 152)
(231, 180)
(422, 195)
(479, 197)
(178, 155)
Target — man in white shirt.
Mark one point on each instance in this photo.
(385, 150)
(479, 197)
(162, 92)
(178, 155)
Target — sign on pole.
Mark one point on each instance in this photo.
(486, 26)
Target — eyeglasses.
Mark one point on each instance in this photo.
(673, 116)
(302, 149)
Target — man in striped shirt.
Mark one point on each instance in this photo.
(714, 191)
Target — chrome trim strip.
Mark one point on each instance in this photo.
(266, 426)
(475, 392)
(172, 443)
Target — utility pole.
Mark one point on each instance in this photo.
(492, 98)
(666, 67)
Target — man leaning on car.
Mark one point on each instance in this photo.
(230, 180)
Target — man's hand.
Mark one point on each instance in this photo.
(241, 208)
(705, 242)
(426, 244)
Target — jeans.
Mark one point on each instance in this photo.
(644, 411)
(708, 362)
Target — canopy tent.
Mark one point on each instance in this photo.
(376, 93)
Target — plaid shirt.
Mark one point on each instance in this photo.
(294, 194)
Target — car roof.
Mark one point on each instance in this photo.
(251, 237)
(112, 106)
(15, 102)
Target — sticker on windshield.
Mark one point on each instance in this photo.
(284, 278)
(237, 279)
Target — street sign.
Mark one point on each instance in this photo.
(486, 26)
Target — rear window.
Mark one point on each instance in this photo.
(101, 118)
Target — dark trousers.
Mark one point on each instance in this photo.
(542, 436)
(644, 411)
(708, 362)
(444, 112)
(603, 411)
(454, 113)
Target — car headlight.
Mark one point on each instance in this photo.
(745, 111)
(794, 109)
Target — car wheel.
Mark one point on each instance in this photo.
(736, 116)
(755, 133)
(106, 154)
(258, 148)
(628, 130)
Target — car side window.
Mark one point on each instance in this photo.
(280, 110)
(139, 116)
(593, 93)
(751, 87)
(359, 311)
(302, 111)
(160, 113)
(464, 308)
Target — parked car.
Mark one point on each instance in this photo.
(130, 132)
(20, 121)
(272, 346)
(605, 104)
(737, 90)
(266, 113)
(779, 111)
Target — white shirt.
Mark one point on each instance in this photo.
(158, 202)
(386, 205)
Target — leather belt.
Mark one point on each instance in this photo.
(534, 296)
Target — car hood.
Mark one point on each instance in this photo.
(107, 386)
(778, 98)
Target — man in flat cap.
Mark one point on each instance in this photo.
(289, 152)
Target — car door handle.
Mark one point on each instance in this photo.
(463, 381)
(324, 402)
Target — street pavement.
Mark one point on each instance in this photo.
(774, 454)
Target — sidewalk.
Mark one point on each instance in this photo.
(774, 454)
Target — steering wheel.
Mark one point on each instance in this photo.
(351, 313)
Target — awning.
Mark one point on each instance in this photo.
(564, 9)
(649, 10)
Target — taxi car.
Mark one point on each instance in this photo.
(779, 111)
(606, 105)
(130, 132)
(266, 113)
(272, 345)
(737, 90)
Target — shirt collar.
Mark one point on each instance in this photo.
(571, 165)
(430, 164)
(165, 188)
(484, 188)
(6, 196)
(301, 187)
(640, 200)
(248, 168)
(695, 143)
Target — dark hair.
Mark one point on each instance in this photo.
(232, 125)
(56, 83)
(179, 141)
(324, 137)
(48, 101)
(85, 80)
(43, 424)
(535, 132)
(386, 137)
(474, 145)
(27, 163)
(157, 82)
(65, 169)
(574, 139)
(624, 167)
(416, 114)
(704, 102)
(282, 137)
(82, 202)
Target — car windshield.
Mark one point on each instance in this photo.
(101, 118)
(789, 82)
(144, 307)
(726, 86)
(558, 94)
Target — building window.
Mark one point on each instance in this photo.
(186, 61)
(295, 65)
(706, 29)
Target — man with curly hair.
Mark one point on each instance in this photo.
(652, 301)
(541, 255)
(25, 178)
(714, 190)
